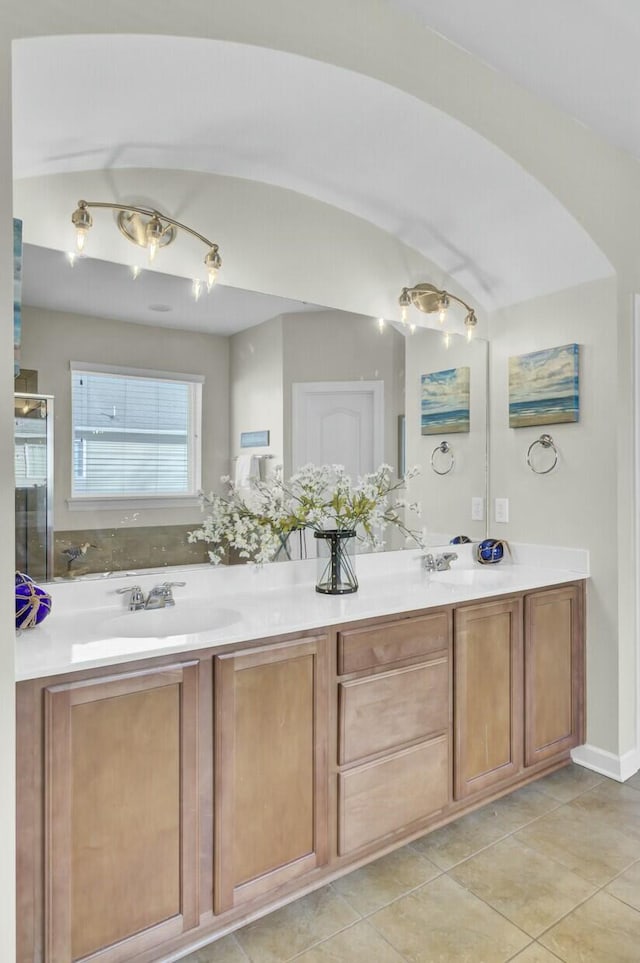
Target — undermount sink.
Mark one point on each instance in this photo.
(482, 575)
(181, 619)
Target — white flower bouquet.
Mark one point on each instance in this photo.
(258, 521)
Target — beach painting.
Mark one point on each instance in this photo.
(445, 401)
(543, 387)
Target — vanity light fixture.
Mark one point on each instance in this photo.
(146, 228)
(429, 299)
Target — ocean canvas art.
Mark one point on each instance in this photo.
(445, 401)
(543, 387)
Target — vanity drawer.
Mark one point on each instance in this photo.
(392, 642)
(391, 794)
(386, 711)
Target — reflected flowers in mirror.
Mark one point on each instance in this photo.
(255, 521)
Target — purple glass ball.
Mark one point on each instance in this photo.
(33, 604)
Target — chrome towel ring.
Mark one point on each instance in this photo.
(546, 442)
(444, 448)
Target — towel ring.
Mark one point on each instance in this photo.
(546, 441)
(445, 449)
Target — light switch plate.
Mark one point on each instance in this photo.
(477, 509)
(501, 513)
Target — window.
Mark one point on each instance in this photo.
(136, 435)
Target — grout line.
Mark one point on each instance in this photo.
(245, 955)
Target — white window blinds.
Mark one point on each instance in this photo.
(134, 434)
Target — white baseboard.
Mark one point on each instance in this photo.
(607, 763)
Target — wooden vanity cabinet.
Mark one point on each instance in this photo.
(488, 694)
(163, 804)
(518, 686)
(120, 811)
(553, 672)
(271, 779)
(393, 728)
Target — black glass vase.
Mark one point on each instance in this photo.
(336, 562)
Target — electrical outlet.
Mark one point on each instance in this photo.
(477, 509)
(501, 513)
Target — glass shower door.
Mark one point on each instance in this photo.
(33, 453)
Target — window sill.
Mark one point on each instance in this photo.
(106, 503)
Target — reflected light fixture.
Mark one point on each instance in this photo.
(147, 228)
(429, 299)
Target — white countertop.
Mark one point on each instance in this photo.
(90, 625)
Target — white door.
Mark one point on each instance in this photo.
(338, 423)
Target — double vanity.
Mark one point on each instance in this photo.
(184, 770)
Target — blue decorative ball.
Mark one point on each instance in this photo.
(490, 550)
(33, 604)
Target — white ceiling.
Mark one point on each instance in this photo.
(345, 139)
(581, 55)
(104, 290)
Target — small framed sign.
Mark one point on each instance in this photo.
(254, 439)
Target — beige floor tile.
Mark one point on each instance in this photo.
(442, 921)
(627, 886)
(467, 835)
(634, 782)
(226, 950)
(535, 953)
(528, 888)
(524, 805)
(296, 927)
(583, 843)
(602, 930)
(567, 783)
(359, 944)
(614, 803)
(373, 886)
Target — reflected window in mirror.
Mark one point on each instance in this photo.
(136, 433)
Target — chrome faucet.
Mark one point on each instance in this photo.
(160, 596)
(443, 562)
(439, 563)
(136, 599)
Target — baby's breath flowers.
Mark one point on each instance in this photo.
(257, 521)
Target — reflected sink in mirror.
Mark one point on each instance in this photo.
(161, 623)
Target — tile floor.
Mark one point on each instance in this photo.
(550, 873)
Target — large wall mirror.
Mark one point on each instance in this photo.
(254, 353)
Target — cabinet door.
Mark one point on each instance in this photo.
(553, 666)
(488, 695)
(271, 817)
(121, 857)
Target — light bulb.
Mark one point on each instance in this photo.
(443, 304)
(403, 314)
(82, 221)
(212, 277)
(442, 315)
(470, 322)
(154, 232)
(196, 288)
(380, 325)
(213, 264)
